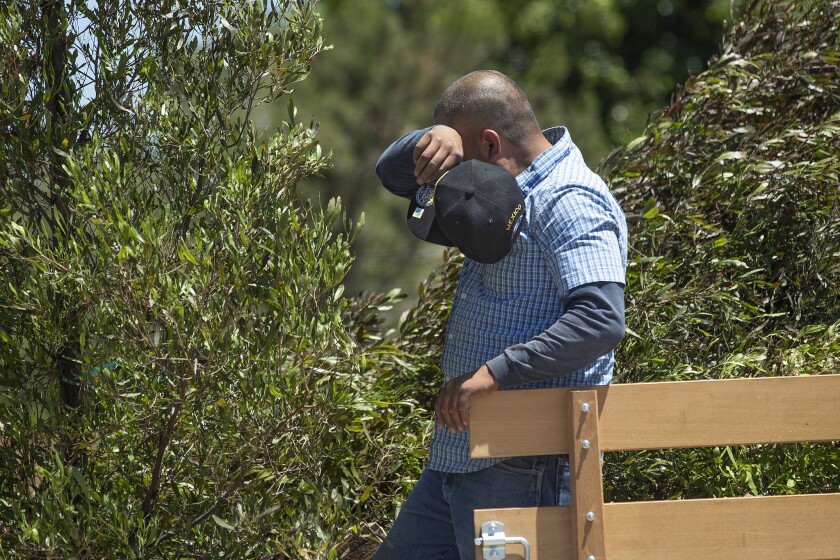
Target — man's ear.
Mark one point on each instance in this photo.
(491, 145)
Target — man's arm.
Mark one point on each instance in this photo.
(592, 325)
(579, 231)
(395, 167)
(419, 157)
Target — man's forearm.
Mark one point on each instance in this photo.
(592, 325)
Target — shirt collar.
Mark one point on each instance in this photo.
(542, 165)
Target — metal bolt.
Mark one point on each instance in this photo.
(585, 407)
(494, 554)
(585, 444)
(478, 541)
(590, 516)
(591, 557)
(492, 527)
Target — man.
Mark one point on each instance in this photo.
(548, 314)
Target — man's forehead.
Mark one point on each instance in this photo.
(463, 125)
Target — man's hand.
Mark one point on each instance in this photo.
(452, 409)
(437, 151)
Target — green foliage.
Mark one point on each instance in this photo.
(731, 197)
(422, 328)
(601, 66)
(181, 374)
(178, 378)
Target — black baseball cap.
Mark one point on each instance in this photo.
(475, 206)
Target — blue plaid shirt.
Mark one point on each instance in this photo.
(574, 234)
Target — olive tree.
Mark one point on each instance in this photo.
(176, 369)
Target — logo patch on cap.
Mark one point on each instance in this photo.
(425, 194)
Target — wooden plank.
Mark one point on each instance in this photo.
(551, 524)
(803, 527)
(587, 484)
(663, 415)
(515, 423)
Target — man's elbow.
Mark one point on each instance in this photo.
(381, 169)
(614, 332)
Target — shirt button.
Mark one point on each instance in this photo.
(463, 296)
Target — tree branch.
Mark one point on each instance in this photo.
(163, 443)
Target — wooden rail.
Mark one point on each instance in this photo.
(585, 421)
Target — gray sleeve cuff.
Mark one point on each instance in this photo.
(503, 372)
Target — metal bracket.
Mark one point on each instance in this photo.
(493, 540)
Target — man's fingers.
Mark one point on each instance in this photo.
(464, 410)
(457, 423)
(428, 172)
(421, 145)
(446, 408)
(428, 164)
(453, 407)
(450, 412)
(437, 151)
(441, 409)
(451, 161)
(425, 148)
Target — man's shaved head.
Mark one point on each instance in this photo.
(488, 99)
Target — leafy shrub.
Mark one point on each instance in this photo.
(177, 376)
(732, 202)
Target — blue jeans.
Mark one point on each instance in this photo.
(436, 521)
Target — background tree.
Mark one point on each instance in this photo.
(732, 203)
(177, 377)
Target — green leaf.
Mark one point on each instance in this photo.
(185, 254)
(636, 143)
(136, 235)
(631, 332)
(226, 24)
(731, 262)
(269, 511)
(651, 209)
(222, 523)
(730, 155)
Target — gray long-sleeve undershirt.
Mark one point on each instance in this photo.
(591, 325)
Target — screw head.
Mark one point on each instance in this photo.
(492, 527)
(591, 557)
(585, 444)
(590, 516)
(494, 554)
(585, 407)
(478, 541)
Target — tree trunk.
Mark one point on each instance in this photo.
(58, 85)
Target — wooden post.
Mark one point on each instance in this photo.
(587, 480)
